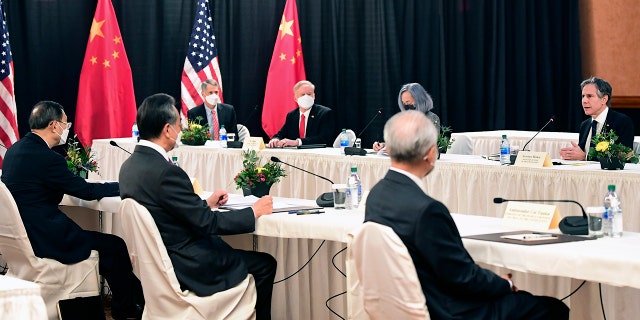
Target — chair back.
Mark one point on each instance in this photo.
(243, 132)
(383, 282)
(350, 134)
(163, 297)
(462, 144)
(57, 281)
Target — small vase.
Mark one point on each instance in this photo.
(259, 190)
(441, 151)
(611, 164)
(194, 142)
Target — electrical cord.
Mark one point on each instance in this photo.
(326, 303)
(574, 291)
(304, 265)
(334, 262)
(604, 316)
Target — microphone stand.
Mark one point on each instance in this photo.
(546, 124)
(325, 199)
(574, 225)
(353, 151)
(113, 143)
(237, 144)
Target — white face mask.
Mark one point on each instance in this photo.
(63, 136)
(212, 99)
(178, 138)
(305, 102)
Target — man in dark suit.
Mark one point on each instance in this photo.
(38, 178)
(310, 123)
(190, 230)
(213, 112)
(596, 102)
(454, 286)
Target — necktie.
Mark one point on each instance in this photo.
(216, 125)
(302, 126)
(594, 126)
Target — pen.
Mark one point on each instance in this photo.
(538, 235)
(301, 212)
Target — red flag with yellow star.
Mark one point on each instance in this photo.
(287, 68)
(106, 102)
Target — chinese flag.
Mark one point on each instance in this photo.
(287, 68)
(106, 103)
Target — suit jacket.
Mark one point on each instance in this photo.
(38, 178)
(454, 286)
(616, 121)
(190, 230)
(320, 126)
(226, 116)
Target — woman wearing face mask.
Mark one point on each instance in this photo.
(413, 96)
(309, 123)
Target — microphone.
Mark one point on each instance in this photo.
(255, 108)
(553, 118)
(325, 199)
(353, 151)
(113, 143)
(574, 225)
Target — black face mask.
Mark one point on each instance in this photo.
(409, 107)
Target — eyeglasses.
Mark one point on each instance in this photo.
(67, 125)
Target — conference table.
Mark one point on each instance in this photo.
(488, 142)
(607, 260)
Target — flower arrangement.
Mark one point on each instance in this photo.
(608, 150)
(444, 139)
(80, 160)
(252, 175)
(195, 134)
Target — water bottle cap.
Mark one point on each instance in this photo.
(344, 130)
(354, 169)
(612, 187)
(504, 136)
(174, 158)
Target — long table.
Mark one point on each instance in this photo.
(610, 261)
(488, 142)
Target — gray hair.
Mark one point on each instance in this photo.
(422, 99)
(603, 88)
(302, 83)
(409, 135)
(43, 113)
(154, 113)
(207, 82)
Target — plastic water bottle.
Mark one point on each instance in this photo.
(174, 160)
(223, 136)
(612, 217)
(344, 140)
(354, 189)
(134, 131)
(505, 151)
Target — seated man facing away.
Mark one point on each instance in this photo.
(454, 286)
(38, 178)
(309, 123)
(189, 228)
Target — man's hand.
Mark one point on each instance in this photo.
(508, 278)
(572, 153)
(273, 143)
(377, 146)
(218, 198)
(263, 206)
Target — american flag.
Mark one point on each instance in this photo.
(8, 123)
(201, 62)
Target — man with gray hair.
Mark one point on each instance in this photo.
(455, 287)
(213, 112)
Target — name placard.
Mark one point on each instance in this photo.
(253, 143)
(532, 216)
(533, 159)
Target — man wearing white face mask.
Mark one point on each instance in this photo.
(213, 112)
(38, 178)
(310, 123)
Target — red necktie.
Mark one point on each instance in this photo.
(302, 126)
(216, 125)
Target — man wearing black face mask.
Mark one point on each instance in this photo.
(38, 178)
(413, 96)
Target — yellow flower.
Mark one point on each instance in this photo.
(260, 169)
(602, 146)
(194, 126)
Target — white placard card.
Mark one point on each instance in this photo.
(533, 159)
(253, 143)
(532, 216)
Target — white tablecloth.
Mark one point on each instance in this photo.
(20, 299)
(488, 142)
